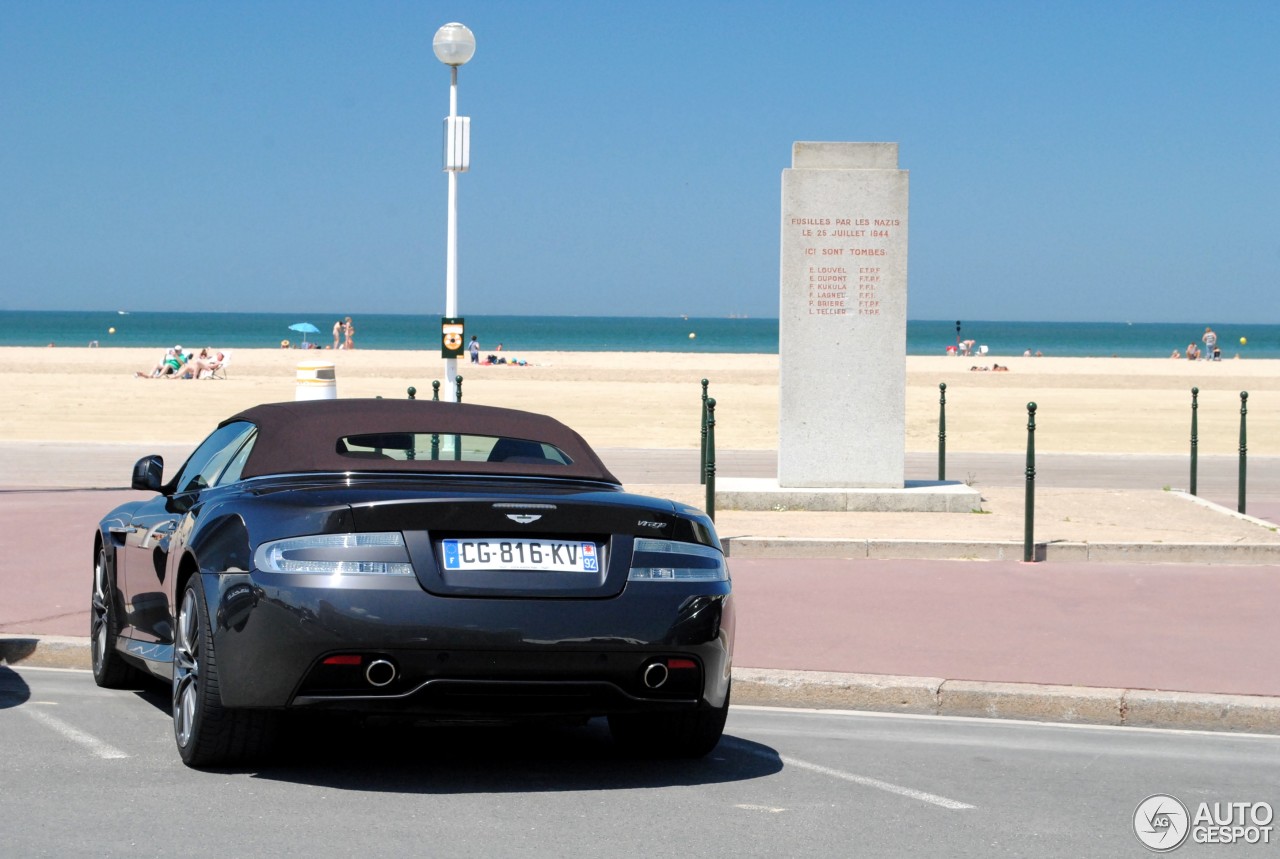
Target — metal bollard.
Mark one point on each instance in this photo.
(1195, 436)
(457, 439)
(702, 461)
(1244, 398)
(413, 395)
(942, 431)
(710, 470)
(1029, 517)
(435, 437)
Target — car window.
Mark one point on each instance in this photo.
(465, 447)
(209, 459)
(231, 473)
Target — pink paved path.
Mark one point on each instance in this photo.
(1178, 627)
(1145, 626)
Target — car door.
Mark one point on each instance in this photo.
(144, 563)
(140, 564)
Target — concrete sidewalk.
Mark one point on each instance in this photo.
(1163, 620)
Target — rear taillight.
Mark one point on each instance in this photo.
(360, 554)
(672, 561)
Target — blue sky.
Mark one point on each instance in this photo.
(1112, 161)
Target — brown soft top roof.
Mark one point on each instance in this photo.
(303, 437)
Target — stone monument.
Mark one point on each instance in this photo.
(843, 317)
(842, 342)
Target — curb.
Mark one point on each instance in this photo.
(996, 550)
(933, 696)
(936, 696)
(45, 651)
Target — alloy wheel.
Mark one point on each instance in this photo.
(186, 669)
(101, 626)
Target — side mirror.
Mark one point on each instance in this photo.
(147, 473)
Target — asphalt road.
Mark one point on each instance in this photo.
(90, 772)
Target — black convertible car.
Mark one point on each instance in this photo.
(434, 560)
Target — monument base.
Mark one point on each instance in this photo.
(916, 496)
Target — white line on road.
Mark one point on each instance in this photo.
(92, 743)
(889, 787)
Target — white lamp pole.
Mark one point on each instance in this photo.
(454, 45)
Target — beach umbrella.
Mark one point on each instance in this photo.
(304, 328)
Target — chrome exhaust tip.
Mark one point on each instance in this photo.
(380, 672)
(655, 675)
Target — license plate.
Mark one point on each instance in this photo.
(559, 556)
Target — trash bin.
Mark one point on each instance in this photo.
(316, 381)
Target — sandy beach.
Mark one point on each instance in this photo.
(651, 400)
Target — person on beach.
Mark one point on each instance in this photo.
(1176, 354)
(1210, 339)
(337, 334)
(1193, 352)
(169, 365)
(158, 369)
(349, 331)
(200, 366)
(474, 349)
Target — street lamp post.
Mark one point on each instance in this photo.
(454, 45)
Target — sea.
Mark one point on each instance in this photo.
(116, 329)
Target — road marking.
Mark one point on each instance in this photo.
(865, 781)
(92, 743)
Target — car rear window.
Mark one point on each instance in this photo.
(420, 446)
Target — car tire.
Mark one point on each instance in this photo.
(207, 733)
(110, 671)
(670, 735)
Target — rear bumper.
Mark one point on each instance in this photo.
(467, 657)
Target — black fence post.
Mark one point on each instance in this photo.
(1195, 436)
(942, 431)
(1028, 537)
(435, 437)
(702, 462)
(413, 395)
(711, 458)
(1244, 455)
(457, 398)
